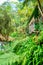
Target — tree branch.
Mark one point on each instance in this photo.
(40, 8)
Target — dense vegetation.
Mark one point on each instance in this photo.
(21, 33)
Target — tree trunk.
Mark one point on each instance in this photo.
(39, 5)
(40, 8)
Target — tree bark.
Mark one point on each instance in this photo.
(39, 5)
(40, 8)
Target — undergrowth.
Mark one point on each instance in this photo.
(28, 51)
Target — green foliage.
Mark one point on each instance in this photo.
(23, 50)
(5, 22)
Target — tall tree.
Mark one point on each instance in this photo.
(5, 23)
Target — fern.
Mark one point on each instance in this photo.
(23, 52)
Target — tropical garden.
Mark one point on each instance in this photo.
(21, 32)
